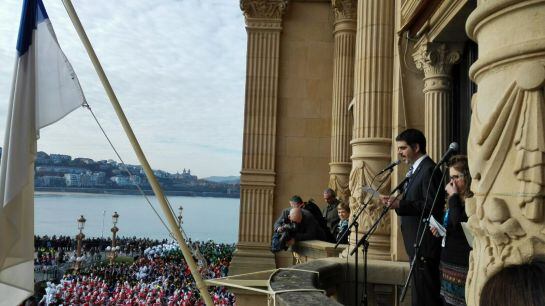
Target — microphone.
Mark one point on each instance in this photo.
(390, 166)
(452, 148)
(400, 185)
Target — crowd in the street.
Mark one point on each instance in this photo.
(158, 275)
(127, 245)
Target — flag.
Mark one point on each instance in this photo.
(44, 90)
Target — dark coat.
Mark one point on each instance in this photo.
(308, 229)
(412, 205)
(456, 250)
(317, 213)
(284, 217)
(332, 217)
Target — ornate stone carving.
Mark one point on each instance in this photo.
(345, 9)
(354, 184)
(360, 177)
(340, 185)
(270, 9)
(436, 60)
(508, 150)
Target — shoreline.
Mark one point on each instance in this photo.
(104, 191)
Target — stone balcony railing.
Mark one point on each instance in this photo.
(305, 251)
(320, 267)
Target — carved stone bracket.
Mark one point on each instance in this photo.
(360, 177)
(345, 9)
(340, 185)
(268, 9)
(436, 60)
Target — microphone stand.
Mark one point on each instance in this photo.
(365, 239)
(362, 208)
(420, 236)
(355, 225)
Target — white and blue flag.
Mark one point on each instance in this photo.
(44, 90)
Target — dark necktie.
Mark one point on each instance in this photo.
(408, 175)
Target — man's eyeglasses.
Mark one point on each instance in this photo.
(456, 176)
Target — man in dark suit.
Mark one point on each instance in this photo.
(417, 201)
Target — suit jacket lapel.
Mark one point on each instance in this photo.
(415, 174)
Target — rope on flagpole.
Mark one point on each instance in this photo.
(87, 106)
(139, 153)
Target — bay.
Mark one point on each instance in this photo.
(203, 218)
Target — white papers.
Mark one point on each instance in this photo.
(440, 229)
(371, 191)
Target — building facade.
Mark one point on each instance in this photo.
(330, 83)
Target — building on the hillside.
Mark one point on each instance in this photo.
(49, 181)
(330, 83)
(135, 179)
(72, 180)
(97, 179)
(185, 176)
(161, 174)
(59, 169)
(121, 181)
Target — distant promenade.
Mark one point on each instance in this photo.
(118, 191)
(204, 218)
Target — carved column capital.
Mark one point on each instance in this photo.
(345, 9)
(267, 9)
(436, 59)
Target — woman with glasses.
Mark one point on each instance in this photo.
(455, 253)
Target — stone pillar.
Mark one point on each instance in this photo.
(506, 144)
(343, 91)
(372, 130)
(257, 182)
(436, 61)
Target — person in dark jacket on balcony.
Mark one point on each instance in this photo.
(306, 227)
(330, 211)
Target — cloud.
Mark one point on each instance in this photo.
(177, 67)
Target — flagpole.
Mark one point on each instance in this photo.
(139, 153)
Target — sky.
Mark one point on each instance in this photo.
(176, 66)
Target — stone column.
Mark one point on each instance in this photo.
(257, 182)
(372, 130)
(343, 91)
(436, 61)
(506, 145)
